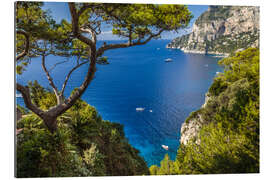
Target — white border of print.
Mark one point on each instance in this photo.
(7, 88)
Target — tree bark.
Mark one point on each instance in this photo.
(50, 79)
(50, 121)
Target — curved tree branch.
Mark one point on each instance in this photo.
(106, 47)
(56, 64)
(27, 42)
(24, 90)
(75, 26)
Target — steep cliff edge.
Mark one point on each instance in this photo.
(221, 30)
(193, 124)
(232, 96)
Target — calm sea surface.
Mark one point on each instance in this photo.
(139, 77)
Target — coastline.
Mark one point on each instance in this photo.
(217, 54)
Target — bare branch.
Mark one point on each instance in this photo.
(56, 64)
(50, 79)
(68, 76)
(27, 42)
(91, 31)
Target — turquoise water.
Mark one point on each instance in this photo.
(139, 77)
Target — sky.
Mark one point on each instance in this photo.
(60, 10)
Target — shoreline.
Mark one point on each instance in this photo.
(215, 54)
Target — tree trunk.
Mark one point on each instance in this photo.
(50, 121)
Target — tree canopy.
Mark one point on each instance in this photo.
(38, 35)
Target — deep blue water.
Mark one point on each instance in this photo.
(139, 77)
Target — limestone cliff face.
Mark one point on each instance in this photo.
(221, 30)
(192, 126)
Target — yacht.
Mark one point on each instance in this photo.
(165, 147)
(140, 109)
(168, 60)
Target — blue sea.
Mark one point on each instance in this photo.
(139, 77)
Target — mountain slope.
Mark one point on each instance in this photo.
(221, 30)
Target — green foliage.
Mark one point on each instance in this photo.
(120, 158)
(154, 170)
(83, 145)
(22, 109)
(103, 60)
(229, 137)
(218, 86)
(138, 21)
(142, 19)
(193, 115)
(40, 97)
(94, 160)
(42, 154)
(221, 150)
(229, 44)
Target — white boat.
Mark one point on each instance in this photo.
(140, 109)
(168, 60)
(217, 72)
(18, 95)
(165, 147)
(150, 110)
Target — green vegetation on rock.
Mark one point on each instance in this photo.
(228, 141)
(222, 30)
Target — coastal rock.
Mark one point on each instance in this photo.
(221, 30)
(191, 128)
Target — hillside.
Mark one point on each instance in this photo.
(223, 135)
(221, 30)
(84, 145)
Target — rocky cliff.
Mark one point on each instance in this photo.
(221, 30)
(193, 124)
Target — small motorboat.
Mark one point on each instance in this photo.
(165, 147)
(150, 110)
(168, 60)
(140, 109)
